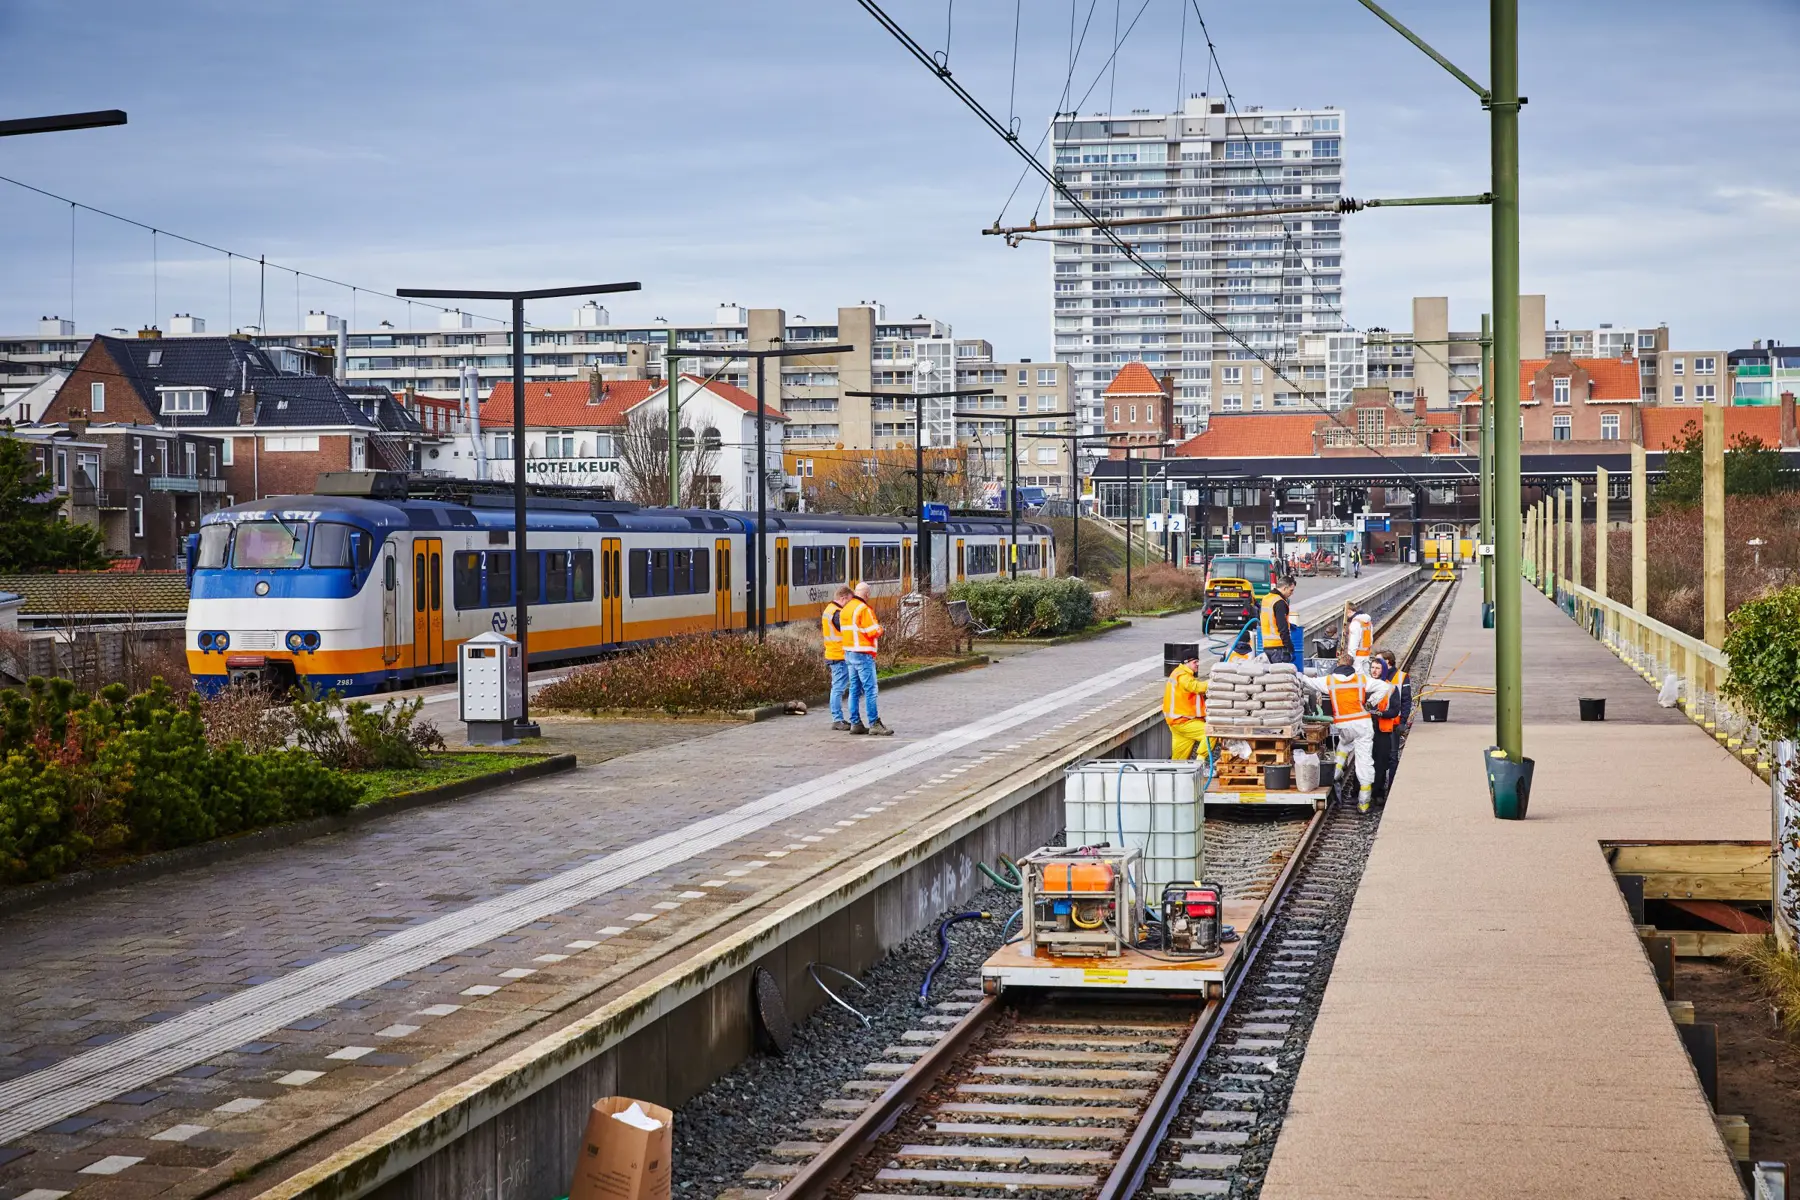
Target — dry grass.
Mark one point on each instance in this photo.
(247, 715)
(1158, 586)
(1775, 973)
(710, 673)
(1674, 544)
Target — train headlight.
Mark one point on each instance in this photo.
(205, 640)
(214, 639)
(310, 640)
(293, 641)
(302, 639)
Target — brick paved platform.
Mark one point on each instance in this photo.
(156, 1039)
(1492, 1028)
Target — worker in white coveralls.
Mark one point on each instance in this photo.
(1359, 637)
(1350, 694)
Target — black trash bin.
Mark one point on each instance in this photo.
(1593, 708)
(1278, 777)
(1435, 712)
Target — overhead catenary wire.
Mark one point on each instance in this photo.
(1049, 175)
(261, 260)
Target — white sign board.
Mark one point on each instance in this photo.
(564, 472)
(1154, 522)
(1177, 523)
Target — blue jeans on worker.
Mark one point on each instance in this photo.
(862, 687)
(840, 686)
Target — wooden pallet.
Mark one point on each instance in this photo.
(1247, 731)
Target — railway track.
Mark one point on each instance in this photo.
(1060, 1095)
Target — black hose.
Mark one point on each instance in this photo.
(944, 950)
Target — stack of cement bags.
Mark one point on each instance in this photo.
(1253, 693)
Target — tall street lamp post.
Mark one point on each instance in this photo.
(758, 585)
(922, 547)
(524, 726)
(1012, 461)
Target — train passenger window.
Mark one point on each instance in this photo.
(660, 561)
(534, 569)
(215, 546)
(556, 576)
(418, 581)
(581, 575)
(465, 578)
(983, 560)
(263, 545)
(330, 545)
(881, 564)
(499, 578)
(640, 573)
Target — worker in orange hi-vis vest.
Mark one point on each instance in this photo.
(1350, 696)
(831, 633)
(862, 637)
(1359, 637)
(1184, 711)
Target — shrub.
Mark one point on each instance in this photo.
(1158, 586)
(1675, 548)
(82, 777)
(1763, 643)
(360, 737)
(709, 673)
(1028, 607)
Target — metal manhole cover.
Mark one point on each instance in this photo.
(773, 1028)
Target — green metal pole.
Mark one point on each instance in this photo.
(672, 368)
(1503, 48)
(1487, 457)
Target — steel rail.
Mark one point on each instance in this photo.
(1140, 1151)
(815, 1179)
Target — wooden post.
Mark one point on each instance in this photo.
(1559, 527)
(1640, 504)
(1713, 521)
(1575, 575)
(1602, 495)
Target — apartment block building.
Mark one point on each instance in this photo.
(1271, 281)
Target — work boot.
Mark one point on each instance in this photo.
(1363, 801)
(840, 725)
(859, 727)
(880, 730)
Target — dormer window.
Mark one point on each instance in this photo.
(184, 401)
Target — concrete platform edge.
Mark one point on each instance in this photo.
(408, 1141)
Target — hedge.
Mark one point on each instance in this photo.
(1763, 645)
(84, 778)
(1028, 607)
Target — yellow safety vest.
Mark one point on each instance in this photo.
(1184, 696)
(1271, 631)
(831, 633)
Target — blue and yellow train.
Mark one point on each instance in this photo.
(364, 595)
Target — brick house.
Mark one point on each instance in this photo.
(1568, 404)
(1140, 407)
(277, 430)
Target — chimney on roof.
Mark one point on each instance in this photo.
(78, 418)
(1790, 436)
(149, 331)
(246, 408)
(596, 391)
(409, 399)
(1419, 405)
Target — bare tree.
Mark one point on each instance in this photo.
(881, 481)
(644, 460)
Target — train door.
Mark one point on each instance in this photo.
(855, 570)
(722, 617)
(390, 607)
(428, 602)
(906, 566)
(961, 560)
(612, 601)
(781, 580)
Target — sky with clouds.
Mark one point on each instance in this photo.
(788, 152)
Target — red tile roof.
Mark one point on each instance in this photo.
(564, 405)
(1608, 378)
(1253, 435)
(1663, 426)
(1134, 379)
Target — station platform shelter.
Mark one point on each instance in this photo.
(1493, 1027)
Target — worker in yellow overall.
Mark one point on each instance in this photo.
(1184, 711)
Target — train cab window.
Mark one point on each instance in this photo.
(465, 579)
(332, 546)
(215, 547)
(499, 578)
(269, 545)
(581, 575)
